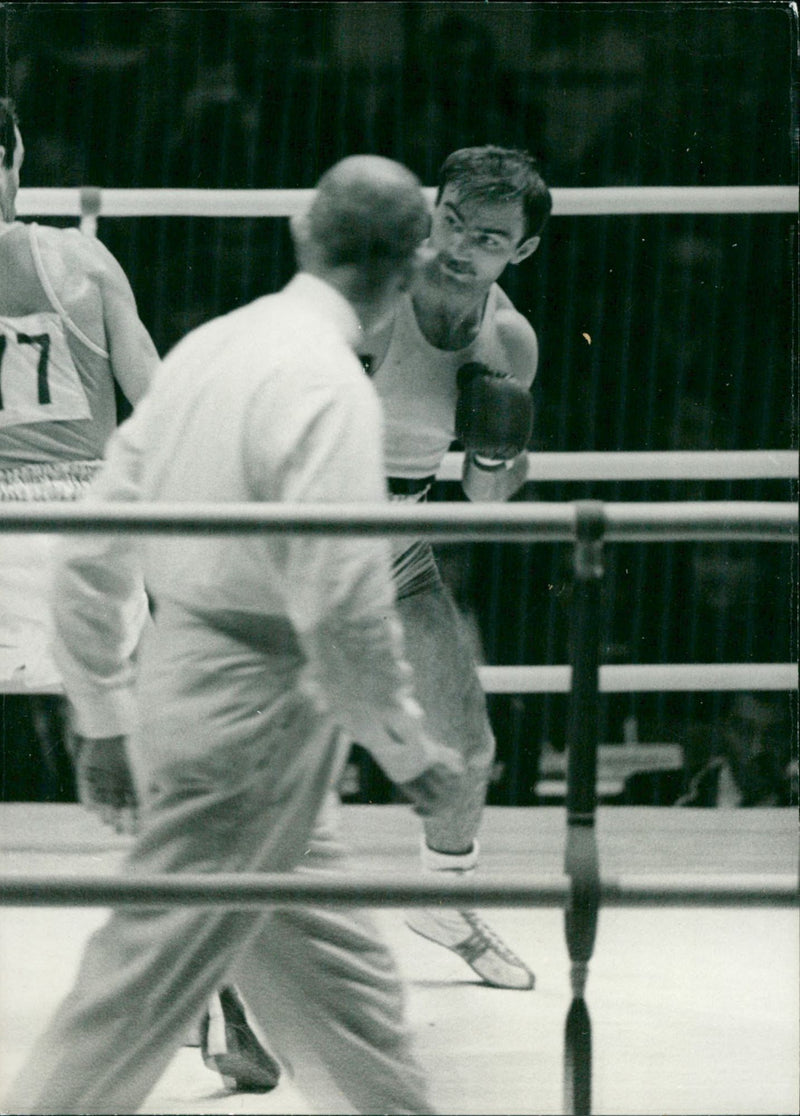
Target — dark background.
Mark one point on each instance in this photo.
(691, 318)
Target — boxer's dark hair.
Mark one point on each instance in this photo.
(499, 174)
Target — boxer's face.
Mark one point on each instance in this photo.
(476, 240)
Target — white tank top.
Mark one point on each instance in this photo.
(57, 398)
(416, 383)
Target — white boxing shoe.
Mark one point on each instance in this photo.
(468, 935)
(465, 933)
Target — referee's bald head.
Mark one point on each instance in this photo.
(368, 212)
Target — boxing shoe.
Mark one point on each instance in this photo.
(229, 1046)
(465, 933)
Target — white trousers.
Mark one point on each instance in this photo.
(234, 766)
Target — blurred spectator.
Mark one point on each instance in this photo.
(747, 759)
(590, 89)
(453, 93)
(214, 143)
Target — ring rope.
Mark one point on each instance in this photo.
(636, 678)
(680, 465)
(251, 890)
(94, 201)
(686, 521)
(666, 465)
(641, 678)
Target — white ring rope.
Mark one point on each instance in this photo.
(642, 678)
(635, 678)
(656, 465)
(91, 201)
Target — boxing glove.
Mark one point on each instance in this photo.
(494, 414)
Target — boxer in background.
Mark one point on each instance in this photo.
(69, 332)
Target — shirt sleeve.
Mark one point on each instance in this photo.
(99, 603)
(340, 593)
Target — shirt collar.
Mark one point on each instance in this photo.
(327, 301)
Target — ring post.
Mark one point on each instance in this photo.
(581, 861)
(91, 204)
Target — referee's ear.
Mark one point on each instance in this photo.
(303, 242)
(298, 223)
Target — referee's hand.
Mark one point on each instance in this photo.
(104, 781)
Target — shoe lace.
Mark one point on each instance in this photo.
(480, 928)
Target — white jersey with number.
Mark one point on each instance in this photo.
(57, 411)
(57, 399)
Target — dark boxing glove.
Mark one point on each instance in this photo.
(494, 414)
